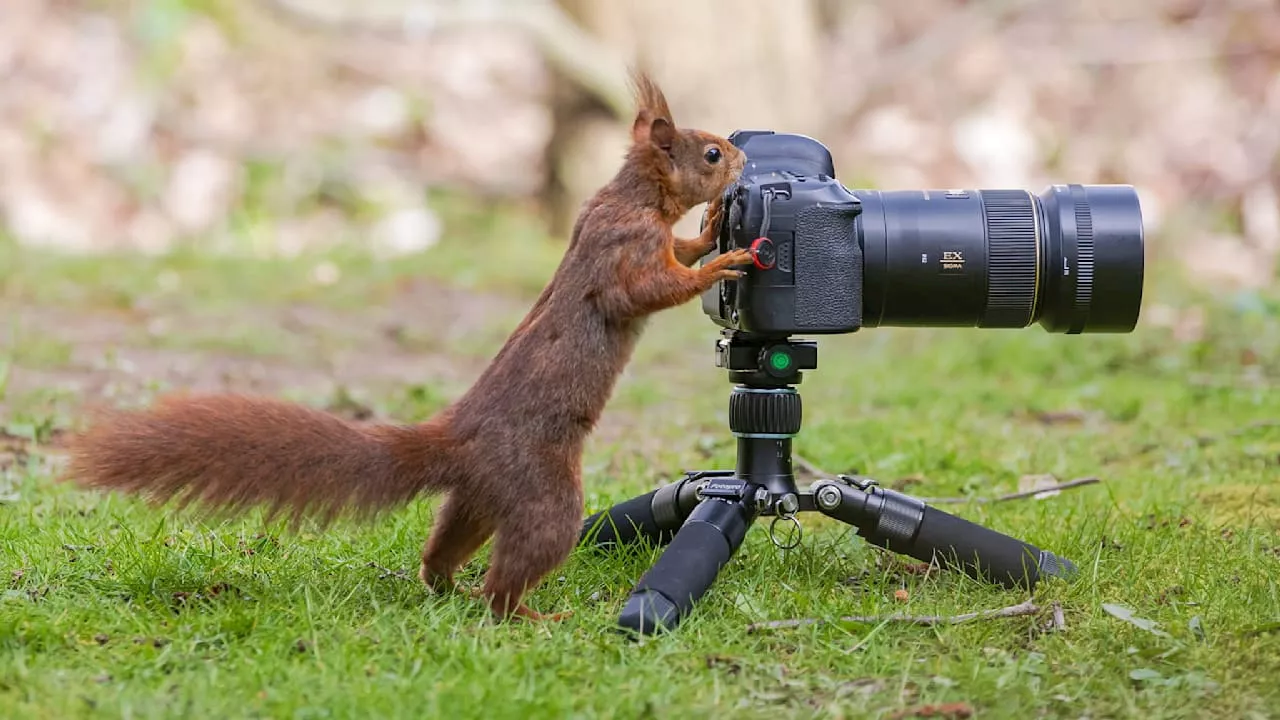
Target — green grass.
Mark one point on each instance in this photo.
(108, 607)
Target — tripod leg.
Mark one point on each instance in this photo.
(904, 524)
(655, 515)
(687, 568)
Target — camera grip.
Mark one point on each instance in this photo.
(828, 268)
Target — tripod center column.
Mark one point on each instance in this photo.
(765, 419)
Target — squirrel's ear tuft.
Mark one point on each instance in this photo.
(649, 96)
(653, 123)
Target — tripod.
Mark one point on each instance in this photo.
(703, 517)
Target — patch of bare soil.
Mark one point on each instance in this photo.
(123, 357)
(427, 333)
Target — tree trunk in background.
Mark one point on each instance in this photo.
(697, 51)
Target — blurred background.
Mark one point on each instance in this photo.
(416, 131)
(352, 203)
(271, 126)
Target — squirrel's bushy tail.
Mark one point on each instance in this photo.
(233, 452)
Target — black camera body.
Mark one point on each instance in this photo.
(799, 222)
(830, 260)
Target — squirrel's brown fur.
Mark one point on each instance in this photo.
(508, 452)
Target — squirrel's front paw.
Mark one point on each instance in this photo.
(719, 268)
(729, 274)
(715, 212)
(737, 256)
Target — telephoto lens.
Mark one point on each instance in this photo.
(1069, 259)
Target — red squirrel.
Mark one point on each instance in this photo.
(508, 452)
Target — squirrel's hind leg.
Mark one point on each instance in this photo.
(525, 552)
(457, 535)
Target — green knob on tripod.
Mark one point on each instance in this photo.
(778, 361)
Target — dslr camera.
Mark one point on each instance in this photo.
(829, 260)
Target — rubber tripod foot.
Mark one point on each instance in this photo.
(648, 612)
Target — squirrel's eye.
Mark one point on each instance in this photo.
(712, 155)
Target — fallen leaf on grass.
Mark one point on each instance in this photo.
(1123, 613)
(903, 483)
(1196, 627)
(1060, 417)
(1059, 622)
(731, 665)
(866, 687)
(945, 710)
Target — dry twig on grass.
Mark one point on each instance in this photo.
(1078, 482)
(811, 469)
(1019, 610)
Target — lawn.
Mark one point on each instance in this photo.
(113, 608)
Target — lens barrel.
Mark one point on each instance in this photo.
(1070, 259)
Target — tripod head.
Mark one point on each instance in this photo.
(705, 516)
(765, 362)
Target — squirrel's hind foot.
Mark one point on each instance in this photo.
(439, 583)
(521, 613)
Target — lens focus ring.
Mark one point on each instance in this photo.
(1012, 257)
(1084, 260)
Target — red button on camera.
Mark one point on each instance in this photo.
(763, 254)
